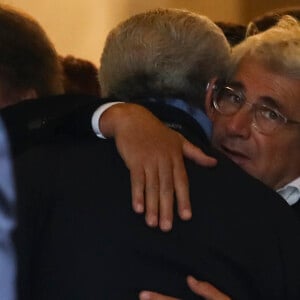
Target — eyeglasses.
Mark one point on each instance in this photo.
(266, 120)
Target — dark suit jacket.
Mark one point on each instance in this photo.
(33, 122)
(296, 207)
(79, 239)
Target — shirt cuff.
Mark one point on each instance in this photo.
(97, 116)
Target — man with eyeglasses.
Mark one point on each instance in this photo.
(228, 101)
(255, 115)
(256, 135)
(255, 112)
(78, 219)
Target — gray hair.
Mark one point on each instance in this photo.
(163, 53)
(277, 48)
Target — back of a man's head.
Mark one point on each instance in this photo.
(28, 59)
(163, 53)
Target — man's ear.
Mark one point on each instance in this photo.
(29, 94)
(209, 97)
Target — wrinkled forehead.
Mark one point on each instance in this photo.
(262, 83)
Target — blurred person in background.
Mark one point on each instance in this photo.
(80, 76)
(29, 65)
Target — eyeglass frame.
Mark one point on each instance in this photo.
(218, 88)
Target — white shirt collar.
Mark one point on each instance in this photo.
(291, 191)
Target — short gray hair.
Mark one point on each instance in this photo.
(277, 48)
(163, 53)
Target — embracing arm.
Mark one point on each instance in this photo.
(154, 154)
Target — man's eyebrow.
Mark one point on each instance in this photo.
(271, 102)
(237, 85)
(266, 100)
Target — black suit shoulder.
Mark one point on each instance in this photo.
(85, 234)
(35, 121)
(296, 208)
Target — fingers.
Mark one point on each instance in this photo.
(156, 183)
(153, 192)
(181, 186)
(205, 289)
(137, 177)
(154, 155)
(197, 155)
(166, 195)
(159, 195)
(181, 183)
(152, 196)
(147, 295)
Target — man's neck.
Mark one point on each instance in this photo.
(196, 113)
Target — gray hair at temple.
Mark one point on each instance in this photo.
(28, 59)
(277, 48)
(163, 53)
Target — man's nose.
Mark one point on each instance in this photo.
(240, 123)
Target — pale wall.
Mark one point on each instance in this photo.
(79, 27)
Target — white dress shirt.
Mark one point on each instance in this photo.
(291, 191)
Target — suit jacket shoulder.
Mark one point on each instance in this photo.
(35, 121)
(79, 239)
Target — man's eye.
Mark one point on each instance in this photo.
(269, 114)
(232, 98)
